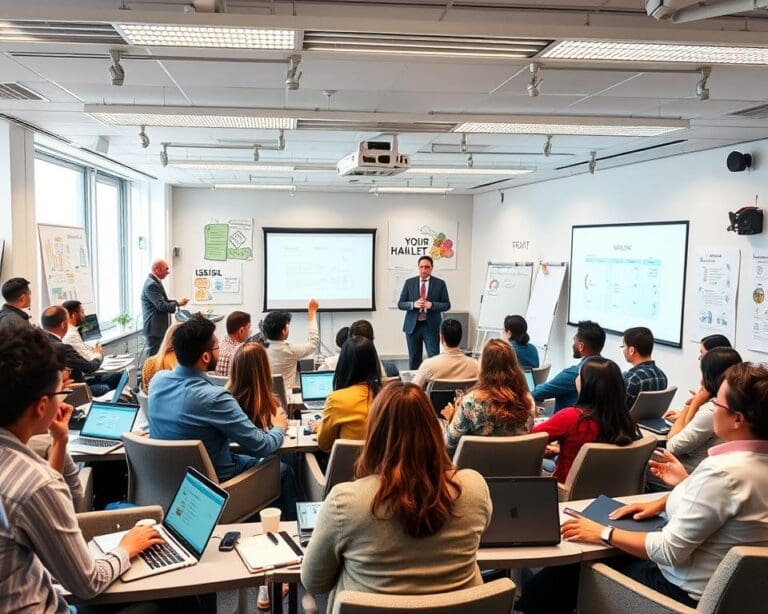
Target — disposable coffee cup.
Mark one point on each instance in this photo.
(270, 519)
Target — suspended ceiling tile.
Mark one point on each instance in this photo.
(80, 70)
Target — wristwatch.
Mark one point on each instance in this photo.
(605, 535)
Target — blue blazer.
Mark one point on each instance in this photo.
(437, 293)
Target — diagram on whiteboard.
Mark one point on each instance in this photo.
(622, 284)
(66, 266)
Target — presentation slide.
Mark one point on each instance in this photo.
(335, 266)
(625, 275)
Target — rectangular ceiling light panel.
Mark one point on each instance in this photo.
(16, 91)
(569, 129)
(407, 190)
(33, 31)
(656, 52)
(465, 170)
(229, 166)
(158, 35)
(176, 120)
(255, 186)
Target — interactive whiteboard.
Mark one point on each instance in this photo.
(334, 265)
(625, 275)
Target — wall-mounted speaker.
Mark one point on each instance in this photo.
(737, 161)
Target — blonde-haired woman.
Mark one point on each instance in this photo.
(164, 360)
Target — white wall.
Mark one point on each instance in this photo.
(695, 187)
(193, 208)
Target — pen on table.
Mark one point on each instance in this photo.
(572, 512)
(272, 538)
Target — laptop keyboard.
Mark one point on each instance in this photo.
(160, 555)
(314, 404)
(96, 443)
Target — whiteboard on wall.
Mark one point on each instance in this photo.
(66, 266)
(543, 304)
(506, 292)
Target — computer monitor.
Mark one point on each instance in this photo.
(90, 329)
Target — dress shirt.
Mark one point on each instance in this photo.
(345, 415)
(562, 387)
(283, 355)
(13, 315)
(527, 355)
(692, 443)
(571, 429)
(450, 364)
(227, 349)
(723, 503)
(72, 337)
(44, 541)
(643, 377)
(184, 404)
(41, 445)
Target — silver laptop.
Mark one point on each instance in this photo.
(525, 512)
(315, 387)
(187, 527)
(103, 426)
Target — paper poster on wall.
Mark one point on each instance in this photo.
(240, 244)
(408, 240)
(216, 236)
(717, 281)
(220, 284)
(397, 279)
(66, 266)
(758, 335)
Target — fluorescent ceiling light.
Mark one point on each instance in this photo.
(465, 170)
(206, 36)
(288, 187)
(181, 120)
(228, 165)
(656, 52)
(407, 190)
(606, 129)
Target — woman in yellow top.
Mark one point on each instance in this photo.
(355, 383)
(164, 360)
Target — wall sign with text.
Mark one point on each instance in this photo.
(409, 240)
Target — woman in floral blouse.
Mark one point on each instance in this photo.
(499, 404)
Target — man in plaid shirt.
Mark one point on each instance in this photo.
(644, 375)
(238, 330)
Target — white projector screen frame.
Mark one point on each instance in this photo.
(661, 248)
(347, 253)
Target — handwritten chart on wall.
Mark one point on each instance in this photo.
(506, 292)
(66, 266)
(220, 284)
(543, 304)
(231, 240)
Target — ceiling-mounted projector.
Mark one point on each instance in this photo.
(374, 159)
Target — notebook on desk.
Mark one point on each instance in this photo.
(315, 388)
(260, 553)
(599, 509)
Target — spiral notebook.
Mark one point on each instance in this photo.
(259, 553)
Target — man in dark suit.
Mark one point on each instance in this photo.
(55, 321)
(423, 299)
(156, 306)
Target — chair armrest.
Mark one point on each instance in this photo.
(85, 475)
(314, 479)
(110, 521)
(603, 589)
(562, 492)
(251, 491)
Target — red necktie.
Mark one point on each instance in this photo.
(423, 294)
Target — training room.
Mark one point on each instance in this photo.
(347, 306)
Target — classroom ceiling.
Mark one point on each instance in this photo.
(353, 88)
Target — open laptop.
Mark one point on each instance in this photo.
(186, 528)
(306, 518)
(120, 387)
(103, 426)
(529, 379)
(525, 512)
(315, 387)
(90, 329)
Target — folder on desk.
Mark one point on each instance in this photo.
(260, 553)
(599, 509)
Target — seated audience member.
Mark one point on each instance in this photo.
(329, 364)
(599, 415)
(451, 363)
(410, 523)
(499, 404)
(184, 404)
(18, 298)
(693, 433)
(164, 360)
(72, 337)
(283, 355)
(250, 382)
(42, 540)
(516, 332)
(710, 342)
(644, 376)
(587, 342)
(238, 330)
(721, 504)
(363, 328)
(355, 384)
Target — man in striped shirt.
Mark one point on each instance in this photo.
(637, 345)
(42, 540)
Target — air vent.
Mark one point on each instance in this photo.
(14, 91)
(423, 44)
(59, 32)
(759, 112)
(389, 127)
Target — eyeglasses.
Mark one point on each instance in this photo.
(721, 406)
(622, 346)
(62, 393)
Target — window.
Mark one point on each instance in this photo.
(107, 240)
(59, 192)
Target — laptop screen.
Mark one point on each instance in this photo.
(108, 420)
(90, 329)
(529, 379)
(194, 511)
(316, 385)
(525, 512)
(120, 386)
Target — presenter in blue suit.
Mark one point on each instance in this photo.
(423, 299)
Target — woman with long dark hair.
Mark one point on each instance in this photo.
(499, 404)
(410, 523)
(600, 414)
(516, 332)
(355, 383)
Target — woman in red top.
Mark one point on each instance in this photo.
(600, 414)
